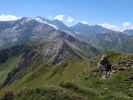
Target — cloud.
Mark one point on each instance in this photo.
(66, 19)
(84, 22)
(121, 27)
(8, 17)
(127, 25)
(110, 26)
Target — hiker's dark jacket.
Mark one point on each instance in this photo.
(105, 65)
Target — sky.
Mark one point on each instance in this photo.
(114, 14)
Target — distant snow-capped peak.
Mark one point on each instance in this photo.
(42, 20)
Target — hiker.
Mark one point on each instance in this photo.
(104, 67)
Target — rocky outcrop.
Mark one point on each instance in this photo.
(123, 65)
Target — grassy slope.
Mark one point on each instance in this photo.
(75, 79)
(6, 67)
(51, 75)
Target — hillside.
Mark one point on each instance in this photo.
(76, 79)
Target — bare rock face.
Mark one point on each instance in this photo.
(123, 65)
(130, 77)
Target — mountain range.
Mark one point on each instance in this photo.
(41, 58)
(19, 31)
(42, 41)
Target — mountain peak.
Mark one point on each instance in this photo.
(60, 25)
(85, 28)
(128, 31)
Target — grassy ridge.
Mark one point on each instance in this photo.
(75, 80)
